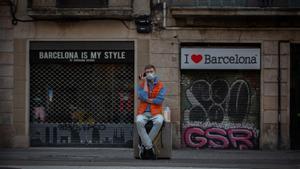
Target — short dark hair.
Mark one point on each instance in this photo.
(149, 67)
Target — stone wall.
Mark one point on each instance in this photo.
(270, 95)
(6, 77)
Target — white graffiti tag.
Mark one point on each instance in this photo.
(218, 100)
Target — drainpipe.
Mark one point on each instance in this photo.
(164, 15)
(279, 94)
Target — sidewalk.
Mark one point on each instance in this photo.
(114, 157)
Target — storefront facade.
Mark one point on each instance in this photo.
(81, 93)
(220, 96)
(72, 83)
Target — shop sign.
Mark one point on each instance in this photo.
(220, 58)
(57, 52)
(81, 56)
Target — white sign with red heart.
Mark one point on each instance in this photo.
(220, 58)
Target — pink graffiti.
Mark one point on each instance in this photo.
(218, 138)
(217, 134)
(242, 136)
(195, 141)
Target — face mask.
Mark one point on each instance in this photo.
(150, 76)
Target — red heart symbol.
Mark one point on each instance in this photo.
(197, 58)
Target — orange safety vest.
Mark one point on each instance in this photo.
(154, 108)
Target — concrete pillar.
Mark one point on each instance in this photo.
(269, 134)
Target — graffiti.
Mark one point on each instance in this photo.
(220, 110)
(215, 100)
(237, 138)
(118, 138)
(81, 134)
(75, 126)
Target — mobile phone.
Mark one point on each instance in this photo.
(144, 75)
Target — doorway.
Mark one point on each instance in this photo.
(295, 97)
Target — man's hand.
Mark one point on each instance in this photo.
(150, 101)
(142, 77)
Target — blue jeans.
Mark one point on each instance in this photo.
(141, 120)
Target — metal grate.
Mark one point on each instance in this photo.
(220, 109)
(81, 98)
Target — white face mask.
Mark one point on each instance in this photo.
(150, 76)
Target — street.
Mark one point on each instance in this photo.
(115, 158)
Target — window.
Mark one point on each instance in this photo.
(82, 3)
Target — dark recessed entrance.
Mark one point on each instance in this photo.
(295, 96)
